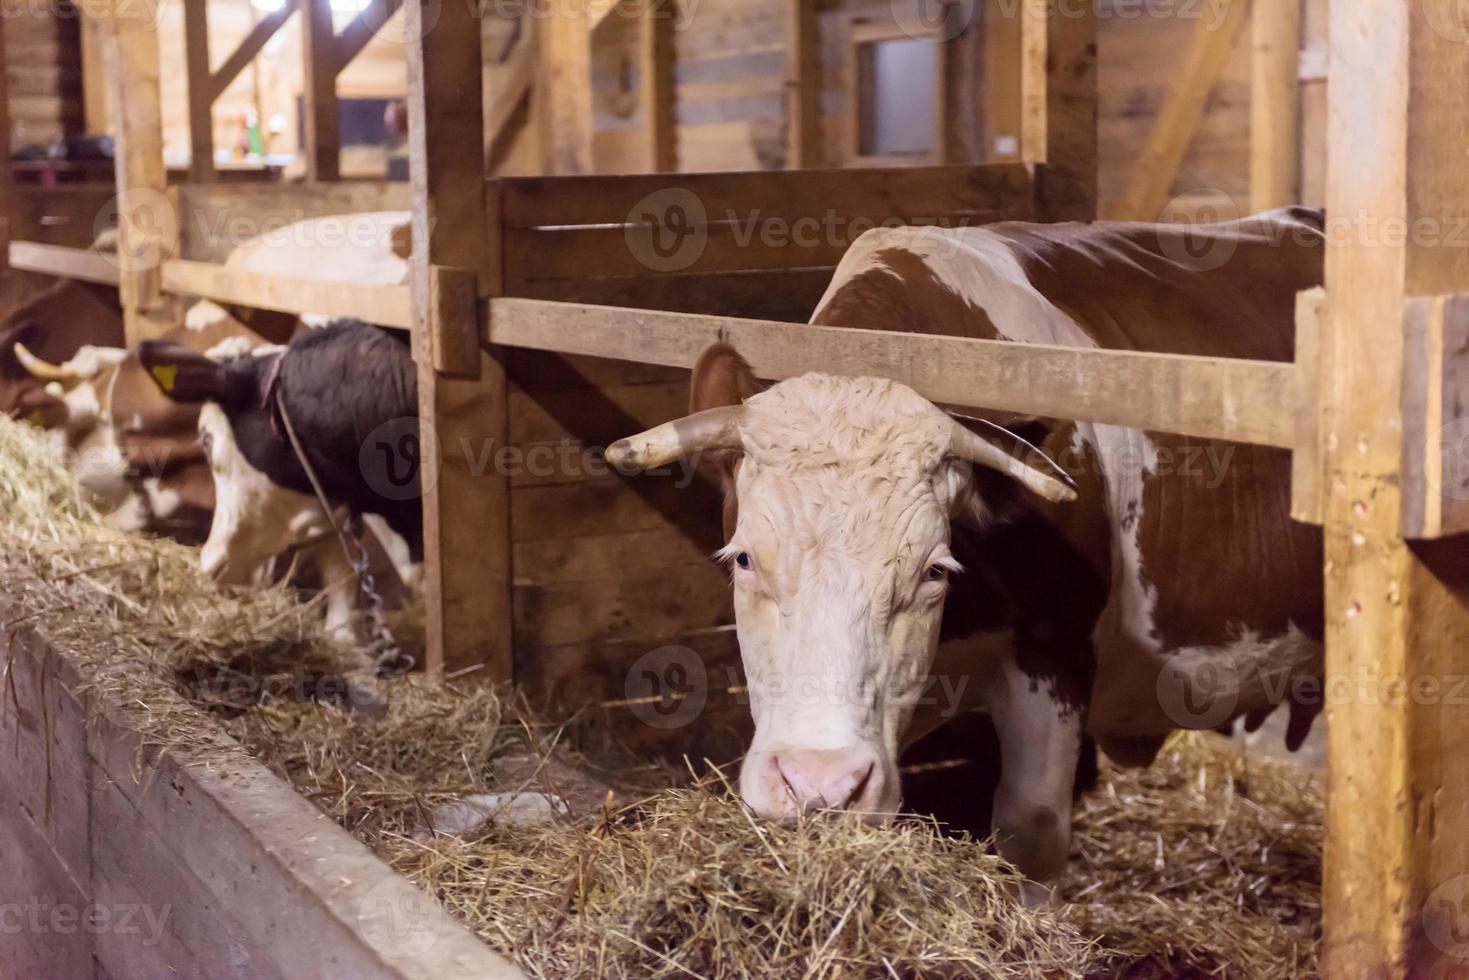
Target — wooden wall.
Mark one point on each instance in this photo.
(43, 70)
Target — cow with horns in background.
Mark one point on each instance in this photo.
(1095, 580)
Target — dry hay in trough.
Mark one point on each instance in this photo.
(1207, 864)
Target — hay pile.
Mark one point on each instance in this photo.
(1203, 865)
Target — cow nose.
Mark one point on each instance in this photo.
(827, 779)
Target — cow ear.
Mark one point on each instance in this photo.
(1000, 494)
(187, 376)
(721, 378)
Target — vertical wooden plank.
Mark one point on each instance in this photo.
(564, 87)
(196, 59)
(1001, 84)
(456, 222)
(1058, 92)
(1275, 104)
(95, 114)
(1162, 154)
(1397, 845)
(655, 58)
(803, 85)
(323, 127)
(6, 195)
(147, 221)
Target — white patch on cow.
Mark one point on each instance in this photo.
(162, 501)
(132, 515)
(978, 266)
(254, 517)
(410, 573)
(204, 315)
(86, 437)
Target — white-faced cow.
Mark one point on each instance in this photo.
(1157, 584)
(337, 386)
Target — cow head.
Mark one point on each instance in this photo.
(843, 490)
(72, 407)
(258, 513)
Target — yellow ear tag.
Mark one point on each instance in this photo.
(36, 418)
(165, 374)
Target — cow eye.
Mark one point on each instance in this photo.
(743, 560)
(935, 573)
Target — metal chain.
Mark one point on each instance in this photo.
(383, 647)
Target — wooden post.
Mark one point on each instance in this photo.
(1178, 119)
(97, 118)
(655, 59)
(201, 101)
(1397, 613)
(6, 193)
(466, 500)
(323, 127)
(564, 87)
(803, 85)
(1275, 104)
(1058, 97)
(147, 221)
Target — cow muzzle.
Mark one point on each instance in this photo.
(790, 782)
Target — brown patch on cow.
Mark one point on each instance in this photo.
(903, 296)
(54, 325)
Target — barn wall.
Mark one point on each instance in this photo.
(43, 69)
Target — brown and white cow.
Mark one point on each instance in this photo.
(873, 538)
(54, 325)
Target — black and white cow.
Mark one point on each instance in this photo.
(351, 395)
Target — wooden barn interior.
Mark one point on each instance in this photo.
(541, 147)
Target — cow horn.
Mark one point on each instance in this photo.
(706, 431)
(44, 370)
(1052, 482)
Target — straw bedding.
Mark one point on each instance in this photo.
(1206, 864)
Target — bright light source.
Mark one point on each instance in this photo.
(269, 6)
(348, 6)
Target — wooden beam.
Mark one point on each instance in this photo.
(564, 87)
(385, 305)
(456, 223)
(803, 85)
(1397, 613)
(147, 221)
(1208, 397)
(68, 263)
(196, 64)
(656, 55)
(363, 28)
(322, 127)
(249, 49)
(1058, 90)
(1183, 109)
(1275, 104)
